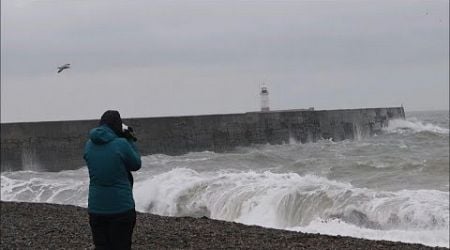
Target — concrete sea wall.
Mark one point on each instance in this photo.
(59, 145)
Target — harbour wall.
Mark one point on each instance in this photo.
(59, 145)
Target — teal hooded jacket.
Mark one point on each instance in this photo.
(110, 159)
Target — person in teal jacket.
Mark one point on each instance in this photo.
(110, 156)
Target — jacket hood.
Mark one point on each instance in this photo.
(112, 119)
(102, 135)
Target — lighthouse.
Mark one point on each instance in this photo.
(264, 99)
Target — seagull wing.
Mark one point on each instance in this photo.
(65, 66)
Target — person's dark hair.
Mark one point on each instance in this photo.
(113, 120)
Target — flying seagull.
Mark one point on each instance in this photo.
(63, 67)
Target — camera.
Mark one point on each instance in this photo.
(128, 132)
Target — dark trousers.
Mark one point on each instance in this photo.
(112, 231)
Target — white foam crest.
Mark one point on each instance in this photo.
(433, 238)
(162, 193)
(298, 206)
(406, 209)
(288, 200)
(49, 190)
(162, 159)
(415, 125)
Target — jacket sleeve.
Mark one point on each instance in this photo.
(131, 156)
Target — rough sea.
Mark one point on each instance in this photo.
(392, 186)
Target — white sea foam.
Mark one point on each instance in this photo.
(438, 237)
(279, 200)
(44, 187)
(414, 125)
(293, 201)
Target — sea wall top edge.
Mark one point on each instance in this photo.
(204, 115)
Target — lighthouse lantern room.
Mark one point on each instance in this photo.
(264, 99)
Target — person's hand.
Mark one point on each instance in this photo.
(128, 133)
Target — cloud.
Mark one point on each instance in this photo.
(323, 54)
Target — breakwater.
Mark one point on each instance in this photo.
(58, 145)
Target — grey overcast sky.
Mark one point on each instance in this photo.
(160, 58)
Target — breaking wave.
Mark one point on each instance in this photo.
(47, 187)
(414, 125)
(291, 201)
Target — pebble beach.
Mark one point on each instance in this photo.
(51, 226)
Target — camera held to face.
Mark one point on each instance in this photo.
(128, 132)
